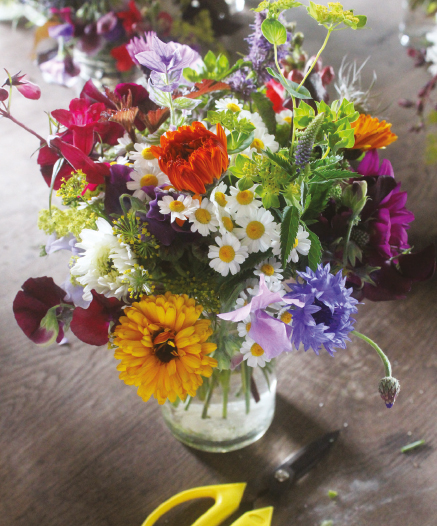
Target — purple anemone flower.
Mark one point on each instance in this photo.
(325, 319)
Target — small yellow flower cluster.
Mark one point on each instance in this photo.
(195, 287)
(334, 15)
(130, 230)
(63, 222)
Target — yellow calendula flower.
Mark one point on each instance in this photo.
(163, 348)
(370, 133)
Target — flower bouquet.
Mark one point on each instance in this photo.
(216, 222)
(94, 39)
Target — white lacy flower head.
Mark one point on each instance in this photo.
(253, 353)
(229, 104)
(228, 255)
(149, 175)
(284, 117)
(203, 219)
(301, 246)
(271, 269)
(103, 263)
(257, 231)
(179, 208)
(241, 202)
(142, 156)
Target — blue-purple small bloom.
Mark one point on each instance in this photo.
(325, 319)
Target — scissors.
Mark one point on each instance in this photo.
(230, 497)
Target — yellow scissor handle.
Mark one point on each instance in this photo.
(227, 500)
(261, 517)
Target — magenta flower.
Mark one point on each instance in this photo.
(272, 334)
(92, 325)
(41, 311)
(25, 87)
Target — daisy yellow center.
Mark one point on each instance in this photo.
(221, 199)
(202, 216)
(248, 326)
(233, 107)
(149, 180)
(228, 224)
(296, 242)
(255, 230)
(226, 253)
(147, 154)
(256, 350)
(176, 206)
(267, 269)
(286, 317)
(245, 197)
(258, 145)
(287, 119)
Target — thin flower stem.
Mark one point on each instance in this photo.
(328, 149)
(245, 377)
(348, 236)
(293, 99)
(384, 359)
(208, 398)
(13, 119)
(316, 58)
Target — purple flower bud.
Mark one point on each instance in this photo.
(405, 103)
(389, 389)
(4, 94)
(25, 87)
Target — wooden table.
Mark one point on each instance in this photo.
(80, 448)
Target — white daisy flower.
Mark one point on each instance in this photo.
(241, 202)
(271, 268)
(102, 265)
(123, 143)
(254, 118)
(179, 208)
(258, 230)
(218, 196)
(203, 218)
(142, 156)
(229, 104)
(301, 245)
(227, 256)
(253, 353)
(284, 117)
(243, 328)
(151, 175)
(262, 141)
(285, 315)
(226, 225)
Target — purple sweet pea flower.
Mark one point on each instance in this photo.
(270, 333)
(60, 70)
(62, 243)
(65, 31)
(165, 58)
(140, 44)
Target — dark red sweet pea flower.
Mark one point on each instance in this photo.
(46, 160)
(275, 92)
(130, 18)
(32, 305)
(92, 325)
(122, 58)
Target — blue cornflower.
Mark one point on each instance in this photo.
(325, 319)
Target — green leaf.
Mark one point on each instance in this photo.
(56, 168)
(265, 108)
(315, 252)
(330, 175)
(222, 63)
(289, 228)
(283, 134)
(184, 103)
(319, 198)
(210, 61)
(290, 86)
(280, 161)
(237, 142)
(245, 183)
(304, 114)
(274, 31)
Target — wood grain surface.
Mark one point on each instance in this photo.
(79, 448)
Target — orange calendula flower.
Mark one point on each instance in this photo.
(192, 156)
(163, 348)
(370, 133)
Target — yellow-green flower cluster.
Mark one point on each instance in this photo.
(334, 15)
(200, 287)
(63, 222)
(276, 8)
(130, 230)
(72, 189)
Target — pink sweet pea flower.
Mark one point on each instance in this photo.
(25, 87)
(272, 334)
